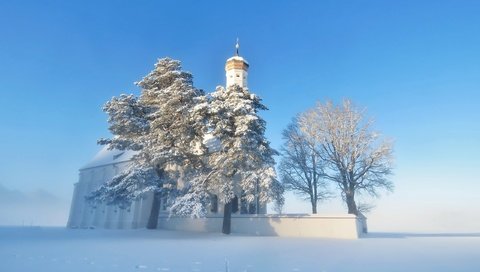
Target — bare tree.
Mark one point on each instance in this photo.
(301, 167)
(356, 158)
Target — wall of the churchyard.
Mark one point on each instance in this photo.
(342, 226)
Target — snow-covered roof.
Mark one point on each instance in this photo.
(237, 58)
(107, 157)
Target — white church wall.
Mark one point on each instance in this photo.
(85, 188)
(338, 226)
(84, 215)
(98, 215)
(74, 208)
(145, 206)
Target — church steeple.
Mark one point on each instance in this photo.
(236, 69)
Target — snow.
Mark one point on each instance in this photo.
(238, 58)
(60, 249)
(106, 157)
(212, 143)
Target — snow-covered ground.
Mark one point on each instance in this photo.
(60, 249)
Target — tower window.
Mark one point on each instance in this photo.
(238, 75)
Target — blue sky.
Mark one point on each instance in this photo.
(415, 65)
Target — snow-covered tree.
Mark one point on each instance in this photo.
(243, 165)
(166, 125)
(356, 158)
(301, 167)
(194, 199)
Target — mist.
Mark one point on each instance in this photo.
(35, 208)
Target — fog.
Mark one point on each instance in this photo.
(36, 208)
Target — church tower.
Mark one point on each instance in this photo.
(236, 70)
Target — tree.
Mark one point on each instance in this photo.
(166, 126)
(357, 159)
(244, 153)
(301, 167)
(194, 198)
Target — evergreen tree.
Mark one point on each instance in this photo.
(244, 153)
(166, 125)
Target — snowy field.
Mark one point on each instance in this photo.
(60, 249)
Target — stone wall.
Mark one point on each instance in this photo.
(290, 225)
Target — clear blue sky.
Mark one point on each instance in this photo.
(414, 66)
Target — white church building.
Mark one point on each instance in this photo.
(245, 219)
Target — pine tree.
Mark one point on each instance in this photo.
(166, 125)
(244, 155)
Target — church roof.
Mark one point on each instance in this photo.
(237, 58)
(107, 157)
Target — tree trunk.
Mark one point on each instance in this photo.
(352, 207)
(154, 212)
(227, 218)
(314, 185)
(314, 205)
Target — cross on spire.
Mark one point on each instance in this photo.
(237, 46)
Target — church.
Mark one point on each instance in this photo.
(246, 219)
